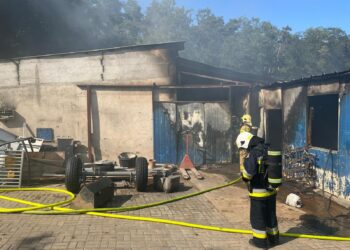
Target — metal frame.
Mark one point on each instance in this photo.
(16, 168)
(94, 170)
(307, 123)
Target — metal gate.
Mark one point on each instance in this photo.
(165, 141)
(208, 126)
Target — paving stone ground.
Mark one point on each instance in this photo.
(227, 207)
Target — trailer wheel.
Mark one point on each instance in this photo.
(141, 174)
(74, 172)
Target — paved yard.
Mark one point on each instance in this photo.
(227, 208)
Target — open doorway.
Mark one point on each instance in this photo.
(274, 128)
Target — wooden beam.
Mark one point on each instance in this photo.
(88, 98)
(217, 78)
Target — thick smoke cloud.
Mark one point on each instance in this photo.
(36, 27)
(32, 27)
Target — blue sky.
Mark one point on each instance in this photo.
(298, 14)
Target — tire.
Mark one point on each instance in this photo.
(141, 174)
(74, 172)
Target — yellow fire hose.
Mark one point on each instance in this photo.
(37, 205)
(60, 210)
(137, 207)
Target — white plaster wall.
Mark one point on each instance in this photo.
(8, 74)
(44, 94)
(123, 122)
(62, 108)
(61, 70)
(114, 67)
(138, 67)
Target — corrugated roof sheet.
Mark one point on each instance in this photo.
(178, 45)
(342, 76)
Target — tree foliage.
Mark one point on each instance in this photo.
(31, 27)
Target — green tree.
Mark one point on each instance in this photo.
(252, 46)
(132, 22)
(30, 27)
(327, 50)
(165, 22)
(206, 37)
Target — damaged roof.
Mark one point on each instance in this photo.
(343, 76)
(194, 68)
(178, 45)
(186, 67)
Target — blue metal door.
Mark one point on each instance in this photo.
(208, 126)
(165, 145)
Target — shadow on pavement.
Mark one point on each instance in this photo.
(30, 242)
(119, 200)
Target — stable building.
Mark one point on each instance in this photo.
(144, 99)
(314, 114)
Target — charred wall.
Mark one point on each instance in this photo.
(110, 67)
(333, 168)
(44, 94)
(294, 117)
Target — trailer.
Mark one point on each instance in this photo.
(165, 177)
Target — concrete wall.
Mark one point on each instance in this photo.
(61, 107)
(122, 122)
(126, 67)
(44, 94)
(122, 119)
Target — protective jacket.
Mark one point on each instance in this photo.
(255, 171)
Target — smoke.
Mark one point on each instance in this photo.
(31, 27)
(35, 27)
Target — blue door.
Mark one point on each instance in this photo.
(206, 125)
(165, 145)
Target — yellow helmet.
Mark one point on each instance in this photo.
(247, 119)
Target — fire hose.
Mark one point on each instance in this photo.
(34, 207)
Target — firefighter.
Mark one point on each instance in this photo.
(262, 195)
(246, 123)
(246, 126)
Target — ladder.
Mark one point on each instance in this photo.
(12, 154)
(11, 166)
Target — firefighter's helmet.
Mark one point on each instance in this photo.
(247, 119)
(243, 140)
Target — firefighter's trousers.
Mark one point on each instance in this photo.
(264, 221)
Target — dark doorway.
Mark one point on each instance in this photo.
(274, 128)
(323, 121)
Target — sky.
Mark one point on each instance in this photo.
(297, 14)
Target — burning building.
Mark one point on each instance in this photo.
(140, 99)
(312, 114)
